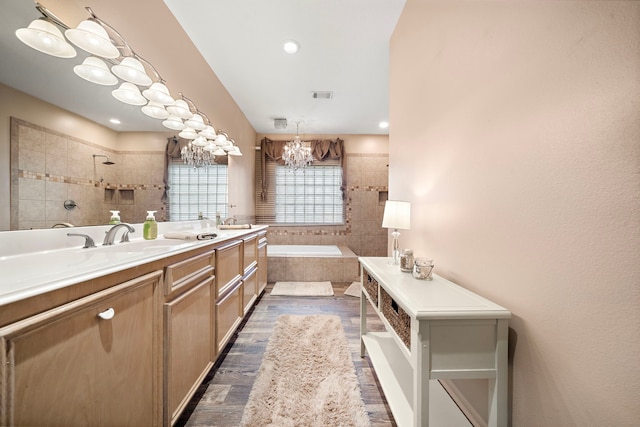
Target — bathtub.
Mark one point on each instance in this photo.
(303, 251)
(311, 263)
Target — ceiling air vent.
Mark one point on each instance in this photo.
(322, 94)
(280, 123)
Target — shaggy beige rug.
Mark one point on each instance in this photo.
(307, 377)
(303, 289)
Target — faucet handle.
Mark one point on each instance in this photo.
(88, 241)
(125, 237)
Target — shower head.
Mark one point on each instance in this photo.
(106, 162)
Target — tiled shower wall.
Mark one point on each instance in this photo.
(49, 168)
(367, 182)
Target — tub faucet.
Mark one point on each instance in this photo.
(111, 234)
(229, 221)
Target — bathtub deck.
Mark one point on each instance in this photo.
(312, 269)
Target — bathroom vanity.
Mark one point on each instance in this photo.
(128, 343)
(435, 330)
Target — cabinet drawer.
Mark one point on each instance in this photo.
(250, 252)
(228, 316)
(399, 320)
(371, 286)
(228, 266)
(189, 272)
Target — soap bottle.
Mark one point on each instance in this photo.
(150, 227)
(218, 219)
(115, 217)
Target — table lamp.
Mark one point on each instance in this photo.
(397, 214)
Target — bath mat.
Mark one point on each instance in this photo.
(353, 290)
(307, 377)
(303, 289)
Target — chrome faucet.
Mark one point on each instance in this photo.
(111, 234)
(62, 225)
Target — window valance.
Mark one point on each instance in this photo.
(321, 149)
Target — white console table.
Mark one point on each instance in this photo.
(434, 330)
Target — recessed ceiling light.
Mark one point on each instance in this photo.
(383, 125)
(115, 121)
(291, 46)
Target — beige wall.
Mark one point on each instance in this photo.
(516, 136)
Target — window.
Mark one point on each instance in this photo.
(194, 191)
(310, 197)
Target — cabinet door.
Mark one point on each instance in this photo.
(91, 362)
(228, 316)
(189, 349)
(262, 265)
(250, 290)
(250, 252)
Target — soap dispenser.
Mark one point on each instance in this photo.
(150, 227)
(115, 217)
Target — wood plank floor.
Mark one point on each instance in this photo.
(221, 398)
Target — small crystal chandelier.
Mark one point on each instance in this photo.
(198, 153)
(295, 155)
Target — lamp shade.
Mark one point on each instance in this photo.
(132, 70)
(397, 214)
(96, 71)
(159, 93)
(93, 38)
(129, 94)
(45, 37)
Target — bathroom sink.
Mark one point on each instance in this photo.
(147, 246)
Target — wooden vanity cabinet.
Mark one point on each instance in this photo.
(90, 362)
(189, 349)
(228, 292)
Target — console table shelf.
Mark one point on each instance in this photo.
(434, 330)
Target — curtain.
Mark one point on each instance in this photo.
(321, 150)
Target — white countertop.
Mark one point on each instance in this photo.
(430, 299)
(34, 262)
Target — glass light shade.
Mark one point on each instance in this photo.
(45, 37)
(129, 94)
(188, 133)
(208, 132)
(196, 122)
(173, 122)
(219, 152)
(155, 110)
(200, 142)
(93, 38)
(221, 140)
(159, 93)
(397, 214)
(132, 70)
(96, 71)
(180, 108)
(235, 151)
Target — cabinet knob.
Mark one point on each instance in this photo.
(107, 314)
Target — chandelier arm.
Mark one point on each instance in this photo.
(51, 16)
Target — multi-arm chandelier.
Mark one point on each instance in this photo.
(296, 155)
(114, 59)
